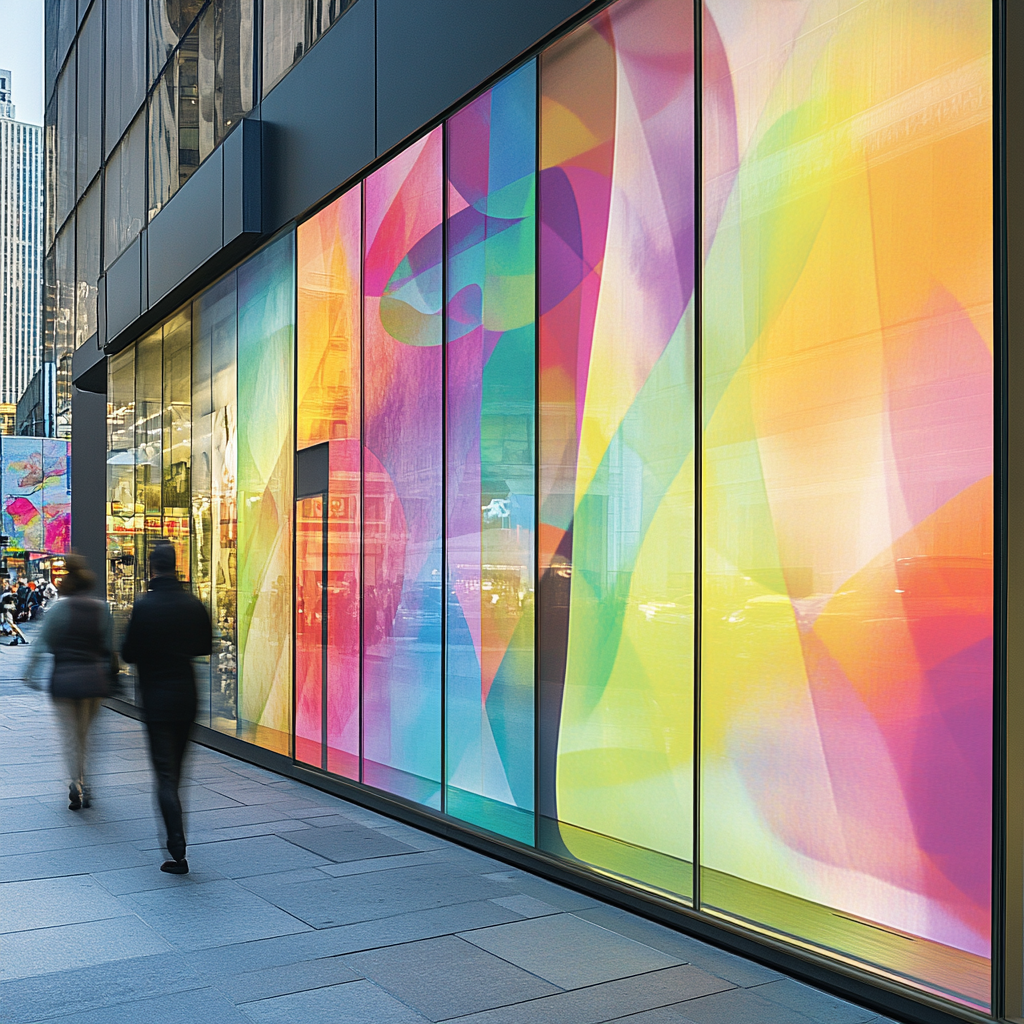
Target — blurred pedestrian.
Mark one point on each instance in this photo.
(168, 627)
(9, 615)
(77, 634)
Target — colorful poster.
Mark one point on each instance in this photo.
(266, 450)
(616, 431)
(491, 457)
(402, 445)
(56, 496)
(848, 508)
(329, 250)
(23, 485)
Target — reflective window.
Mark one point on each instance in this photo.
(125, 192)
(203, 92)
(66, 286)
(125, 75)
(90, 97)
(290, 27)
(50, 157)
(87, 264)
(121, 512)
(148, 446)
(65, 148)
(169, 20)
(177, 437)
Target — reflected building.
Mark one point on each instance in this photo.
(586, 447)
(21, 220)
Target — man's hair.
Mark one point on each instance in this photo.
(161, 560)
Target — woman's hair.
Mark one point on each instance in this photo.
(79, 577)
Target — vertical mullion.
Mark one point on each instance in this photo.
(537, 610)
(698, 433)
(324, 611)
(444, 466)
(362, 461)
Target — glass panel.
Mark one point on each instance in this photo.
(122, 521)
(67, 23)
(186, 71)
(616, 443)
(491, 352)
(177, 437)
(57, 496)
(402, 459)
(322, 14)
(90, 97)
(126, 75)
(169, 20)
(329, 256)
(148, 447)
(234, 39)
(216, 326)
(266, 447)
(50, 156)
(848, 513)
(65, 158)
(201, 475)
(87, 264)
(64, 324)
(284, 36)
(206, 81)
(309, 630)
(163, 144)
(125, 192)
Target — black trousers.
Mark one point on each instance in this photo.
(167, 744)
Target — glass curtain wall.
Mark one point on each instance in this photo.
(491, 345)
(848, 534)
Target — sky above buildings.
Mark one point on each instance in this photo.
(21, 53)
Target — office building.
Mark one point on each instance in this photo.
(591, 429)
(21, 222)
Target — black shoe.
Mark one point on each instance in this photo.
(86, 801)
(13, 643)
(74, 799)
(175, 867)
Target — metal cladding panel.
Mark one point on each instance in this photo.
(318, 122)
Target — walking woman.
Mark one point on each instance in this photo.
(76, 630)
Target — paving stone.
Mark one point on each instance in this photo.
(255, 856)
(130, 880)
(279, 981)
(447, 977)
(68, 992)
(49, 902)
(526, 905)
(358, 1002)
(598, 1003)
(75, 861)
(366, 897)
(76, 946)
(569, 952)
(195, 1006)
(211, 914)
(742, 1004)
(345, 843)
(421, 924)
(817, 1005)
(688, 949)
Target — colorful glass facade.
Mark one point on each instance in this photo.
(622, 488)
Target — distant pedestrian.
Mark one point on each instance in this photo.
(49, 593)
(77, 633)
(9, 615)
(168, 627)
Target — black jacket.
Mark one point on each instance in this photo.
(167, 629)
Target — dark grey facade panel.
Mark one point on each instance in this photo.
(89, 477)
(243, 199)
(312, 470)
(430, 55)
(124, 289)
(318, 124)
(188, 230)
(89, 368)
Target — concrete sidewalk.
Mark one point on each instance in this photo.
(303, 907)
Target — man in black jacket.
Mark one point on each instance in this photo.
(168, 627)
